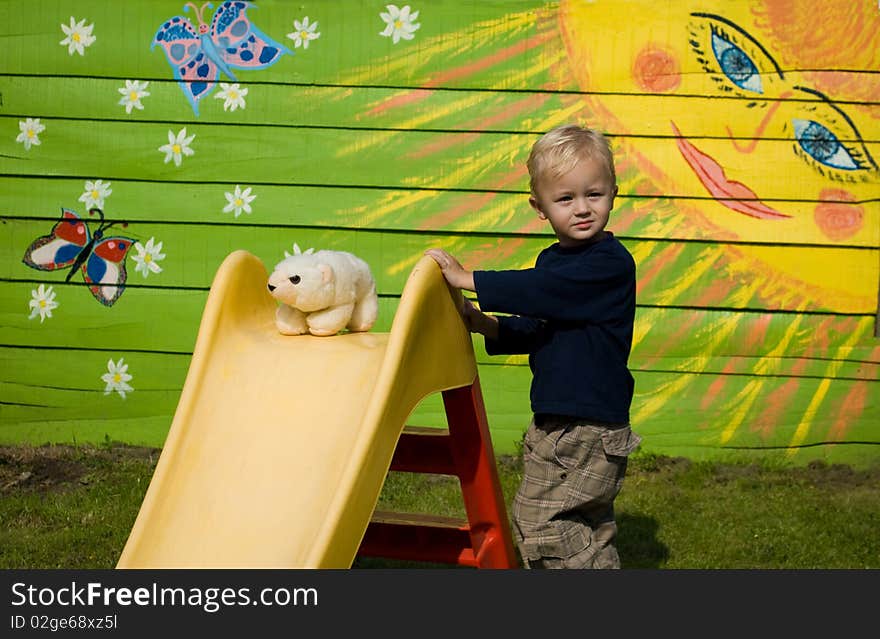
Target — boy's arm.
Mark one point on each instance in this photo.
(475, 320)
(519, 334)
(516, 335)
(596, 290)
(478, 322)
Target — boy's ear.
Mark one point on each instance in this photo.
(533, 202)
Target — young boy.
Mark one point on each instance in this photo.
(573, 314)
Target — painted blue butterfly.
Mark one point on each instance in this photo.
(72, 244)
(230, 42)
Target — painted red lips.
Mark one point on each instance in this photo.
(732, 194)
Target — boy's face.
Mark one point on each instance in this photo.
(578, 203)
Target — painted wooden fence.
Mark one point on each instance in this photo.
(747, 138)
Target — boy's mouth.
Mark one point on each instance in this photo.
(732, 194)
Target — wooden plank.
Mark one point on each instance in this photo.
(465, 111)
(366, 158)
(160, 320)
(670, 274)
(275, 155)
(282, 204)
(710, 416)
(57, 395)
(758, 367)
(69, 369)
(286, 105)
(763, 344)
(666, 339)
(487, 211)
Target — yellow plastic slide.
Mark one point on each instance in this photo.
(280, 444)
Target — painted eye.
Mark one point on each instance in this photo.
(736, 64)
(822, 145)
(296, 279)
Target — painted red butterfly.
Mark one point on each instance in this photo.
(72, 244)
(231, 41)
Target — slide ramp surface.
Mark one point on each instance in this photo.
(280, 444)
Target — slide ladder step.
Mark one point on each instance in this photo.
(464, 450)
(424, 450)
(419, 537)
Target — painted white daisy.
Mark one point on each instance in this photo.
(95, 194)
(132, 93)
(30, 132)
(298, 251)
(232, 96)
(148, 257)
(79, 36)
(303, 32)
(399, 23)
(117, 378)
(177, 146)
(239, 201)
(43, 302)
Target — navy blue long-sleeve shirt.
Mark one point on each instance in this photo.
(573, 314)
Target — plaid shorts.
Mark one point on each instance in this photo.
(563, 512)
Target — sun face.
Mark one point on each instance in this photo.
(749, 149)
(779, 155)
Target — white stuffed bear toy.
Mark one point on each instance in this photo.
(323, 292)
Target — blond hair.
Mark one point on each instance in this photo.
(560, 149)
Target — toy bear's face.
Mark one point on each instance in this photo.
(303, 284)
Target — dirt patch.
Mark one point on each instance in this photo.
(660, 464)
(59, 467)
(841, 475)
(816, 473)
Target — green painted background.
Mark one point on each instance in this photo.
(360, 144)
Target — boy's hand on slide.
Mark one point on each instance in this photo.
(452, 270)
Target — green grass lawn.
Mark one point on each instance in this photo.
(73, 507)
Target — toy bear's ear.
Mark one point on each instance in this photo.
(326, 273)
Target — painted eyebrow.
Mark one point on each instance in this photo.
(830, 103)
(733, 25)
